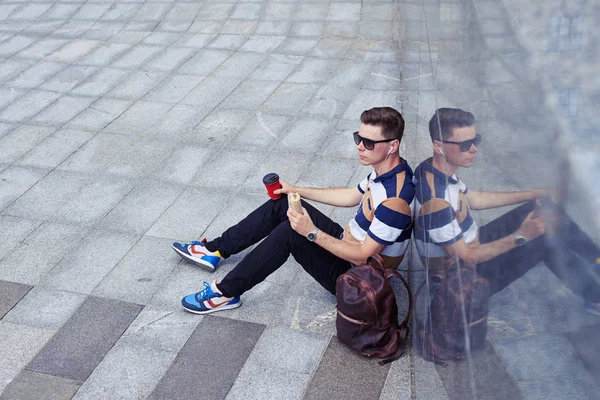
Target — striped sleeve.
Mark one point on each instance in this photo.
(362, 186)
(391, 217)
(437, 217)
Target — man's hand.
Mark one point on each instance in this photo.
(301, 223)
(285, 188)
(553, 194)
(531, 228)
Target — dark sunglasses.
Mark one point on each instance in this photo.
(466, 145)
(368, 143)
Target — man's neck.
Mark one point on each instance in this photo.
(387, 165)
(441, 164)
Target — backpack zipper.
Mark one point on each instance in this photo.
(352, 320)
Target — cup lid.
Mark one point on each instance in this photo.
(271, 178)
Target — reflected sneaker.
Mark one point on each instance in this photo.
(198, 254)
(593, 308)
(209, 300)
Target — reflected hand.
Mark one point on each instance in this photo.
(285, 188)
(531, 228)
(553, 194)
(301, 223)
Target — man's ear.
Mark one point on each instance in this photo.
(437, 147)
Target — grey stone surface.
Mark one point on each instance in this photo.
(215, 338)
(88, 263)
(356, 377)
(270, 382)
(83, 341)
(527, 358)
(587, 347)
(12, 231)
(16, 181)
(45, 308)
(142, 271)
(12, 293)
(289, 98)
(558, 388)
(18, 345)
(483, 376)
(31, 385)
(17, 143)
(174, 88)
(101, 82)
(99, 114)
(127, 372)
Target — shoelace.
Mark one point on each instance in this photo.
(205, 294)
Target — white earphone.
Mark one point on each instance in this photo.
(441, 151)
(391, 150)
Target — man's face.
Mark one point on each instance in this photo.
(452, 151)
(380, 150)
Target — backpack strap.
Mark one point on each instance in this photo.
(403, 328)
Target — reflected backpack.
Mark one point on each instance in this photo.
(367, 314)
(463, 297)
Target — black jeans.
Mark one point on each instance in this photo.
(570, 254)
(270, 222)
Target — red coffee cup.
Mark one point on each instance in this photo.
(271, 182)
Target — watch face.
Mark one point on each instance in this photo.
(520, 241)
(311, 236)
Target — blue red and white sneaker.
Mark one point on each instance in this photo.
(198, 254)
(209, 300)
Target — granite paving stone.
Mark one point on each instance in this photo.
(8, 95)
(174, 26)
(83, 341)
(140, 118)
(45, 308)
(262, 44)
(233, 165)
(10, 295)
(183, 163)
(18, 345)
(137, 56)
(50, 193)
(141, 207)
(278, 11)
(61, 11)
(16, 181)
(73, 51)
(142, 159)
(94, 201)
(191, 213)
(96, 154)
(276, 67)
(204, 62)
(21, 140)
(28, 105)
(35, 75)
(273, 28)
(527, 358)
(288, 164)
(228, 41)
(311, 12)
(481, 377)
(161, 329)
(27, 266)
(306, 135)
(31, 385)
(62, 110)
(210, 92)
(270, 382)
(220, 126)
(214, 11)
(398, 383)
(313, 28)
(11, 68)
(250, 94)
(142, 270)
(174, 88)
(99, 114)
(127, 372)
(196, 41)
(101, 82)
(137, 85)
(297, 46)
(183, 11)
(151, 11)
(68, 78)
(261, 132)
(289, 98)
(170, 59)
(215, 338)
(12, 231)
(175, 125)
(356, 377)
(105, 54)
(206, 26)
(367, 98)
(558, 388)
(587, 347)
(55, 148)
(14, 45)
(161, 38)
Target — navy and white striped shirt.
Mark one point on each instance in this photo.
(384, 212)
(442, 213)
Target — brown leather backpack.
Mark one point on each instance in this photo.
(446, 336)
(367, 314)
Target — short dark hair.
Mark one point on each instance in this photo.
(446, 119)
(389, 119)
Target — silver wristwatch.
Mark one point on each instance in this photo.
(312, 235)
(519, 240)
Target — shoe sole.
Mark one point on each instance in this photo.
(203, 264)
(212, 310)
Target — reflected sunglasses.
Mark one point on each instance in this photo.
(466, 145)
(368, 143)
